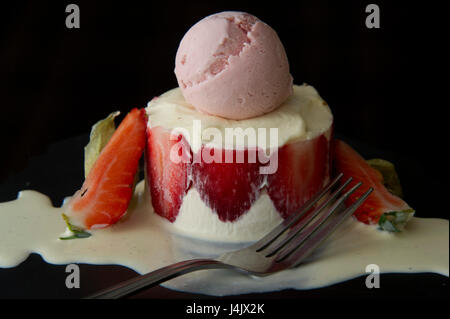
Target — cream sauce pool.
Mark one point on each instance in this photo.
(144, 242)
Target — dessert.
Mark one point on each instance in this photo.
(235, 201)
(190, 187)
(224, 160)
(233, 168)
(234, 76)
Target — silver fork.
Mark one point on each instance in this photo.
(286, 246)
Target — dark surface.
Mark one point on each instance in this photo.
(382, 86)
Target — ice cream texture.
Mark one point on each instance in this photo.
(233, 65)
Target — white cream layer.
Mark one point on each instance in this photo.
(302, 116)
(196, 219)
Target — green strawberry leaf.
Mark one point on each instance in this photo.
(76, 231)
(101, 132)
(395, 221)
(390, 177)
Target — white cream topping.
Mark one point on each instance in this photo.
(304, 115)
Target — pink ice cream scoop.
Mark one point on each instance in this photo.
(233, 65)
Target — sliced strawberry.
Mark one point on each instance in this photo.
(381, 205)
(229, 189)
(303, 169)
(168, 180)
(107, 190)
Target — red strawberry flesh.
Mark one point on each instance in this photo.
(351, 164)
(167, 180)
(303, 169)
(107, 190)
(229, 189)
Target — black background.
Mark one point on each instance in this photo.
(381, 84)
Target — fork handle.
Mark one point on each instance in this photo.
(155, 277)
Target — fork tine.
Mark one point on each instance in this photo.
(299, 253)
(297, 228)
(303, 236)
(277, 231)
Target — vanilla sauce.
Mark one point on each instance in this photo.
(144, 242)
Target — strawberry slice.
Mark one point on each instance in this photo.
(107, 190)
(382, 207)
(303, 169)
(229, 189)
(167, 180)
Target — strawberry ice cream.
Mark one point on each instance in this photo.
(233, 65)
